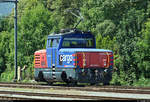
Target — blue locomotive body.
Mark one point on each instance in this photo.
(72, 57)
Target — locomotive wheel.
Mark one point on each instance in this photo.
(107, 79)
(64, 76)
(40, 76)
(72, 82)
(106, 83)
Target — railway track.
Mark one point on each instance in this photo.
(20, 91)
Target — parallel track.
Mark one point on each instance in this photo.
(20, 91)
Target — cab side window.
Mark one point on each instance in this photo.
(51, 43)
(54, 43)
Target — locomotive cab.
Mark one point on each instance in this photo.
(72, 57)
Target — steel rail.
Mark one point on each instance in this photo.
(120, 89)
(33, 91)
(31, 95)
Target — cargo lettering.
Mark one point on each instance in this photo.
(66, 58)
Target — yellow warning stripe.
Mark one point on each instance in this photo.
(108, 60)
(34, 60)
(83, 59)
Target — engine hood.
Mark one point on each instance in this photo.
(83, 50)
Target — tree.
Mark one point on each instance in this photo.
(142, 54)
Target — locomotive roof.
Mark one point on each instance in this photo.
(71, 33)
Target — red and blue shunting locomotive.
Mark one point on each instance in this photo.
(72, 57)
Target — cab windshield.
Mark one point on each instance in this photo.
(78, 43)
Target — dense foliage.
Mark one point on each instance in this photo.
(119, 25)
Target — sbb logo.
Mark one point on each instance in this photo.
(66, 58)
